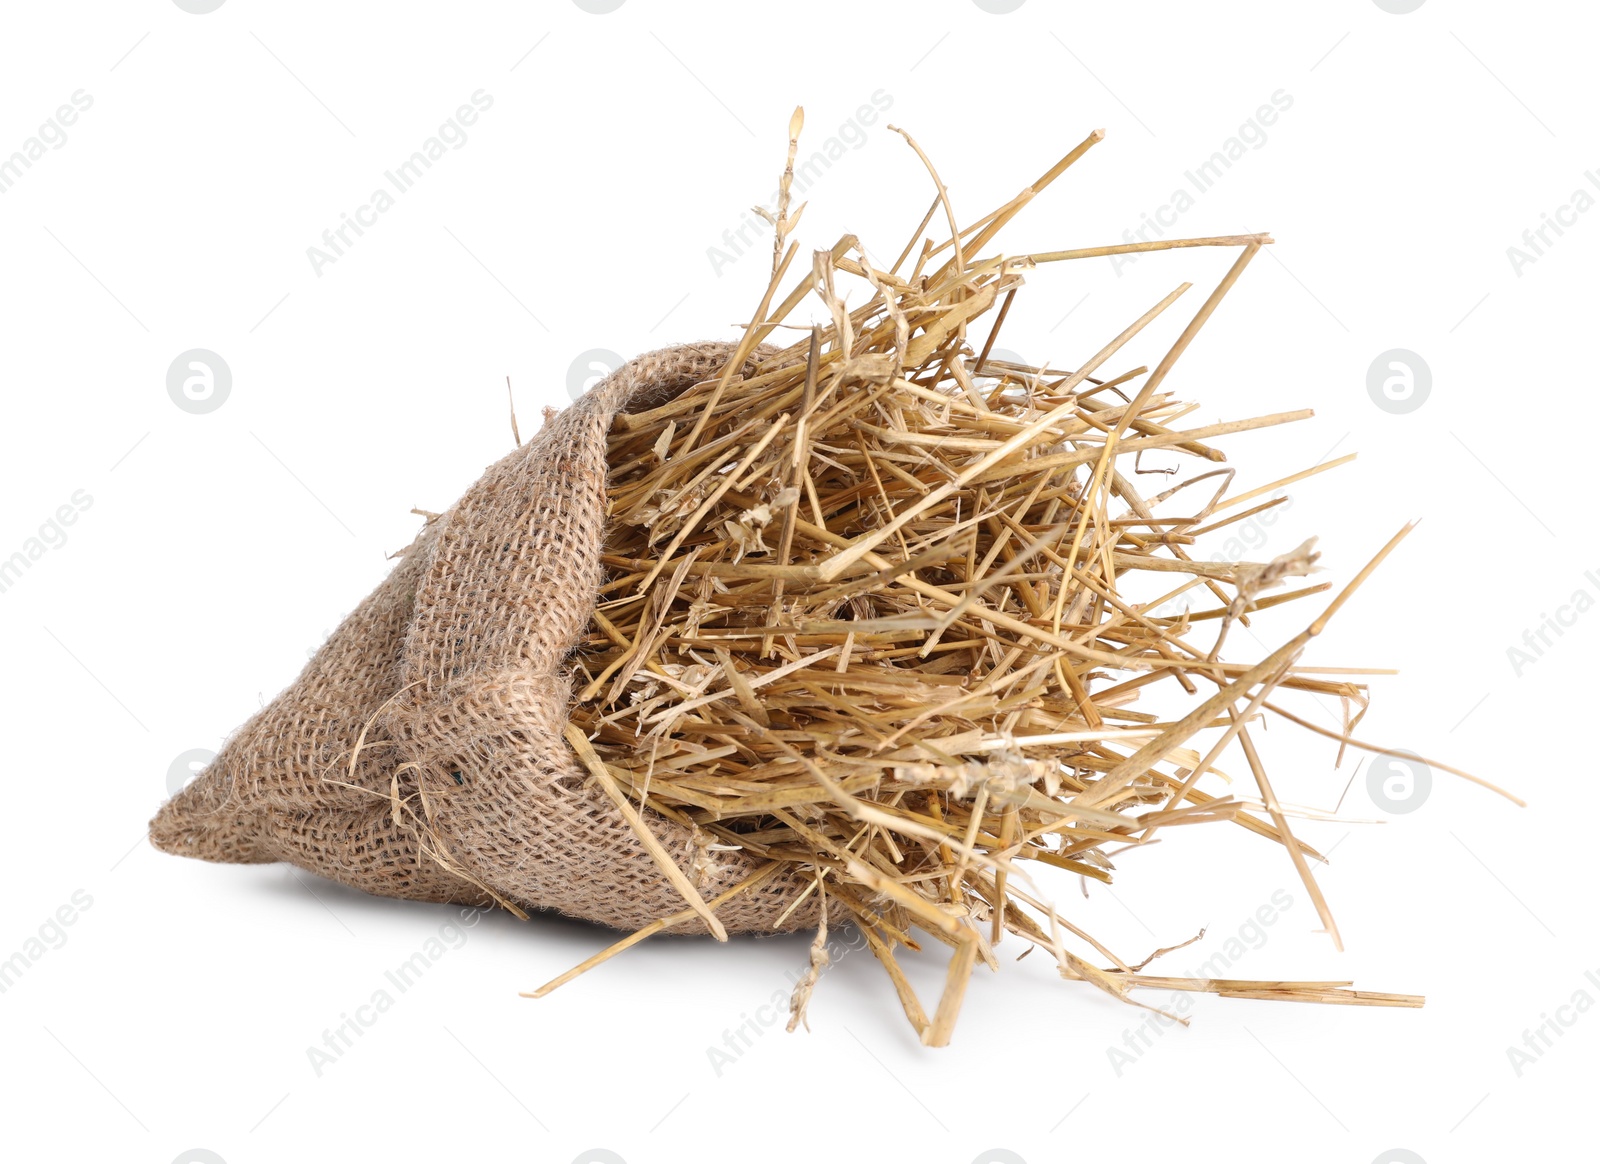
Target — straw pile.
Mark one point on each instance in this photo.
(867, 612)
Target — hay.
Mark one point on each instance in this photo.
(868, 613)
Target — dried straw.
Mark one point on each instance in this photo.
(867, 615)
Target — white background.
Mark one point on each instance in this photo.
(218, 549)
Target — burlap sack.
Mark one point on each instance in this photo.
(450, 678)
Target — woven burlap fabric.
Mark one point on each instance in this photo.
(450, 677)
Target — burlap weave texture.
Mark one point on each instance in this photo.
(450, 678)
